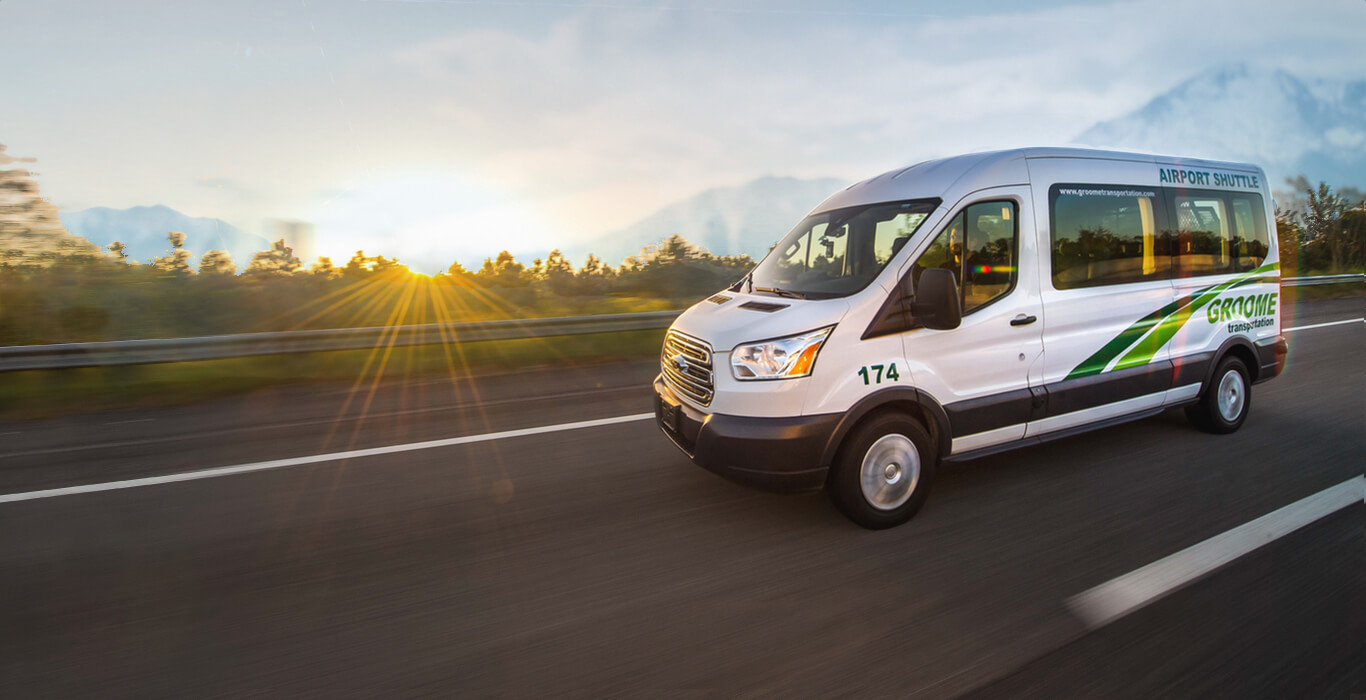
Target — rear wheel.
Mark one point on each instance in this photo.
(1226, 401)
(883, 471)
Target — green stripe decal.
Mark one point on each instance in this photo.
(1147, 335)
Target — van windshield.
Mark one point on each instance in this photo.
(837, 253)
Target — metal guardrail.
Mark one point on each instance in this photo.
(218, 347)
(1321, 279)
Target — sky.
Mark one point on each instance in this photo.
(440, 130)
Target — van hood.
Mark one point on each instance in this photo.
(726, 324)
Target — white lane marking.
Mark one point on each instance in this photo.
(1118, 597)
(1323, 325)
(183, 437)
(314, 459)
(125, 422)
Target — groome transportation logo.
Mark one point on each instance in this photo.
(1245, 313)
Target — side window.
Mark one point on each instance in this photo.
(1250, 242)
(1218, 232)
(979, 245)
(945, 251)
(989, 244)
(1106, 234)
(1204, 235)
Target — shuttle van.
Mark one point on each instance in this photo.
(961, 307)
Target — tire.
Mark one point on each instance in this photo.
(1226, 401)
(901, 462)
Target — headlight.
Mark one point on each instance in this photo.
(783, 358)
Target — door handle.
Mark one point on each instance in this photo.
(1023, 320)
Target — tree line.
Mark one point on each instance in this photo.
(673, 267)
(86, 296)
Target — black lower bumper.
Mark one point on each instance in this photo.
(1271, 355)
(774, 454)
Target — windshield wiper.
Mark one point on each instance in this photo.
(780, 292)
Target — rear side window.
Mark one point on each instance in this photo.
(1106, 234)
(1218, 232)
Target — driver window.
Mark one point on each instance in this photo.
(946, 251)
(989, 265)
(978, 246)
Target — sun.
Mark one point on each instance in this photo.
(429, 218)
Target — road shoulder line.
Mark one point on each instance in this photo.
(315, 459)
(1324, 325)
(1120, 596)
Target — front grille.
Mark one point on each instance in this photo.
(694, 379)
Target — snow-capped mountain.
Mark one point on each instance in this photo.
(143, 232)
(1286, 124)
(746, 219)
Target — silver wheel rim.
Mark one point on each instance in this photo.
(890, 471)
(1232, 395)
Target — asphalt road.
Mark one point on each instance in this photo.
(599, 561)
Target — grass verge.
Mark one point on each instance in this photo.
(48, 393)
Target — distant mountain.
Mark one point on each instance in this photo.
(1286, 124)
(747, 219)
(143, 231)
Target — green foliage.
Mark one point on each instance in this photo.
(502, 271)
(279, 260)
(217, 262)
(362, 266)
(179, 259)
(1322, 230)
(681, 267)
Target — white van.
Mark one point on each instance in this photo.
(969, 305)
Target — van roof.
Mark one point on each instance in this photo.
(950, 178)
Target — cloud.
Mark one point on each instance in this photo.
(589, 115)
(677, 96)
(236, 187)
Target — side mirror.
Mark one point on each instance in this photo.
(936, 303)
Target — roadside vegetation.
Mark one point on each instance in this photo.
(87, 297)
(1321, 231)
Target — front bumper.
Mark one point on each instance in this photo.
(774, 454)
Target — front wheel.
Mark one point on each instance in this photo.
(883, 471)
(1227, 399)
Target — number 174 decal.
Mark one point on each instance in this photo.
(875, 372)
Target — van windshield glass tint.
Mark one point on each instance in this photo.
(837, 253)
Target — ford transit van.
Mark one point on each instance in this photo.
(964, 306)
